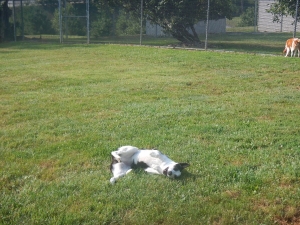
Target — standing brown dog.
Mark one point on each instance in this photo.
(292, 45)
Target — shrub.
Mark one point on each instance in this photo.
(75, 25)
(247, 18)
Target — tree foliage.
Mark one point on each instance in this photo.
(113, 20)
(38, 20)
(178, 17)
(5, 27)
(103, 25)
(74, 25)
(285, 8)
(248, 18)
(118, 17)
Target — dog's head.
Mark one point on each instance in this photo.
(174, 171)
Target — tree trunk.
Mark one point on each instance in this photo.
(181, 33)
(197, 43)
(242, 6)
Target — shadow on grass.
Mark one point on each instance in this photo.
(249, 48)
(267, 43)
(186, 176)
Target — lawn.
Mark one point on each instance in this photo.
(234, 117)
(239, 41)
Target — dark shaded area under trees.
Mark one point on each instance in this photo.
(177, 17)
(6, 30)
(117, 17)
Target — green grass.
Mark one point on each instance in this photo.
(234, 117)
(238, 41)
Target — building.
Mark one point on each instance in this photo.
(265, 19)
(215, 26)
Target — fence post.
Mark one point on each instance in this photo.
(14, 18)
(296, 18)
(141, 31)
(22, 20)
(60, 22)
(88, 20)
(255, 16)
(207, 20)
(66, 19)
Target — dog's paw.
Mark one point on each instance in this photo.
(116, 156)
(128, 171)
(151, 171)
(112, 180)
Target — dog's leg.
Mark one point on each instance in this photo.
(114, 179)
(119, 170)
(287, 52)
(116, 156)
(155, 154)
(152, 171)
(124, 151)
(293, 51)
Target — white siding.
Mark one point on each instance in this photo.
(215, 26)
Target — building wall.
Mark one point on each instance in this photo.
(265, 20)
(214, 26)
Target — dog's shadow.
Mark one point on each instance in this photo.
(187, 176)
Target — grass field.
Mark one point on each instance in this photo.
(238, 41)
(234, 117)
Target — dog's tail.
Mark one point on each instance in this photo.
(284, 51)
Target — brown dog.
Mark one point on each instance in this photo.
(292, 45)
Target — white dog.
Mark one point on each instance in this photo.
(127, 158)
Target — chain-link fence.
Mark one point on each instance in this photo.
(96, 21)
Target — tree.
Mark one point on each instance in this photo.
(72, 26)
(178, 17)
(37, 20)
(248, 18)
(5, 27)
(113, 20)
(103, 24)
(285, 8)
(48, 5)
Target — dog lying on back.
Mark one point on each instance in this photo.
(127, 158)
(292, 45)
